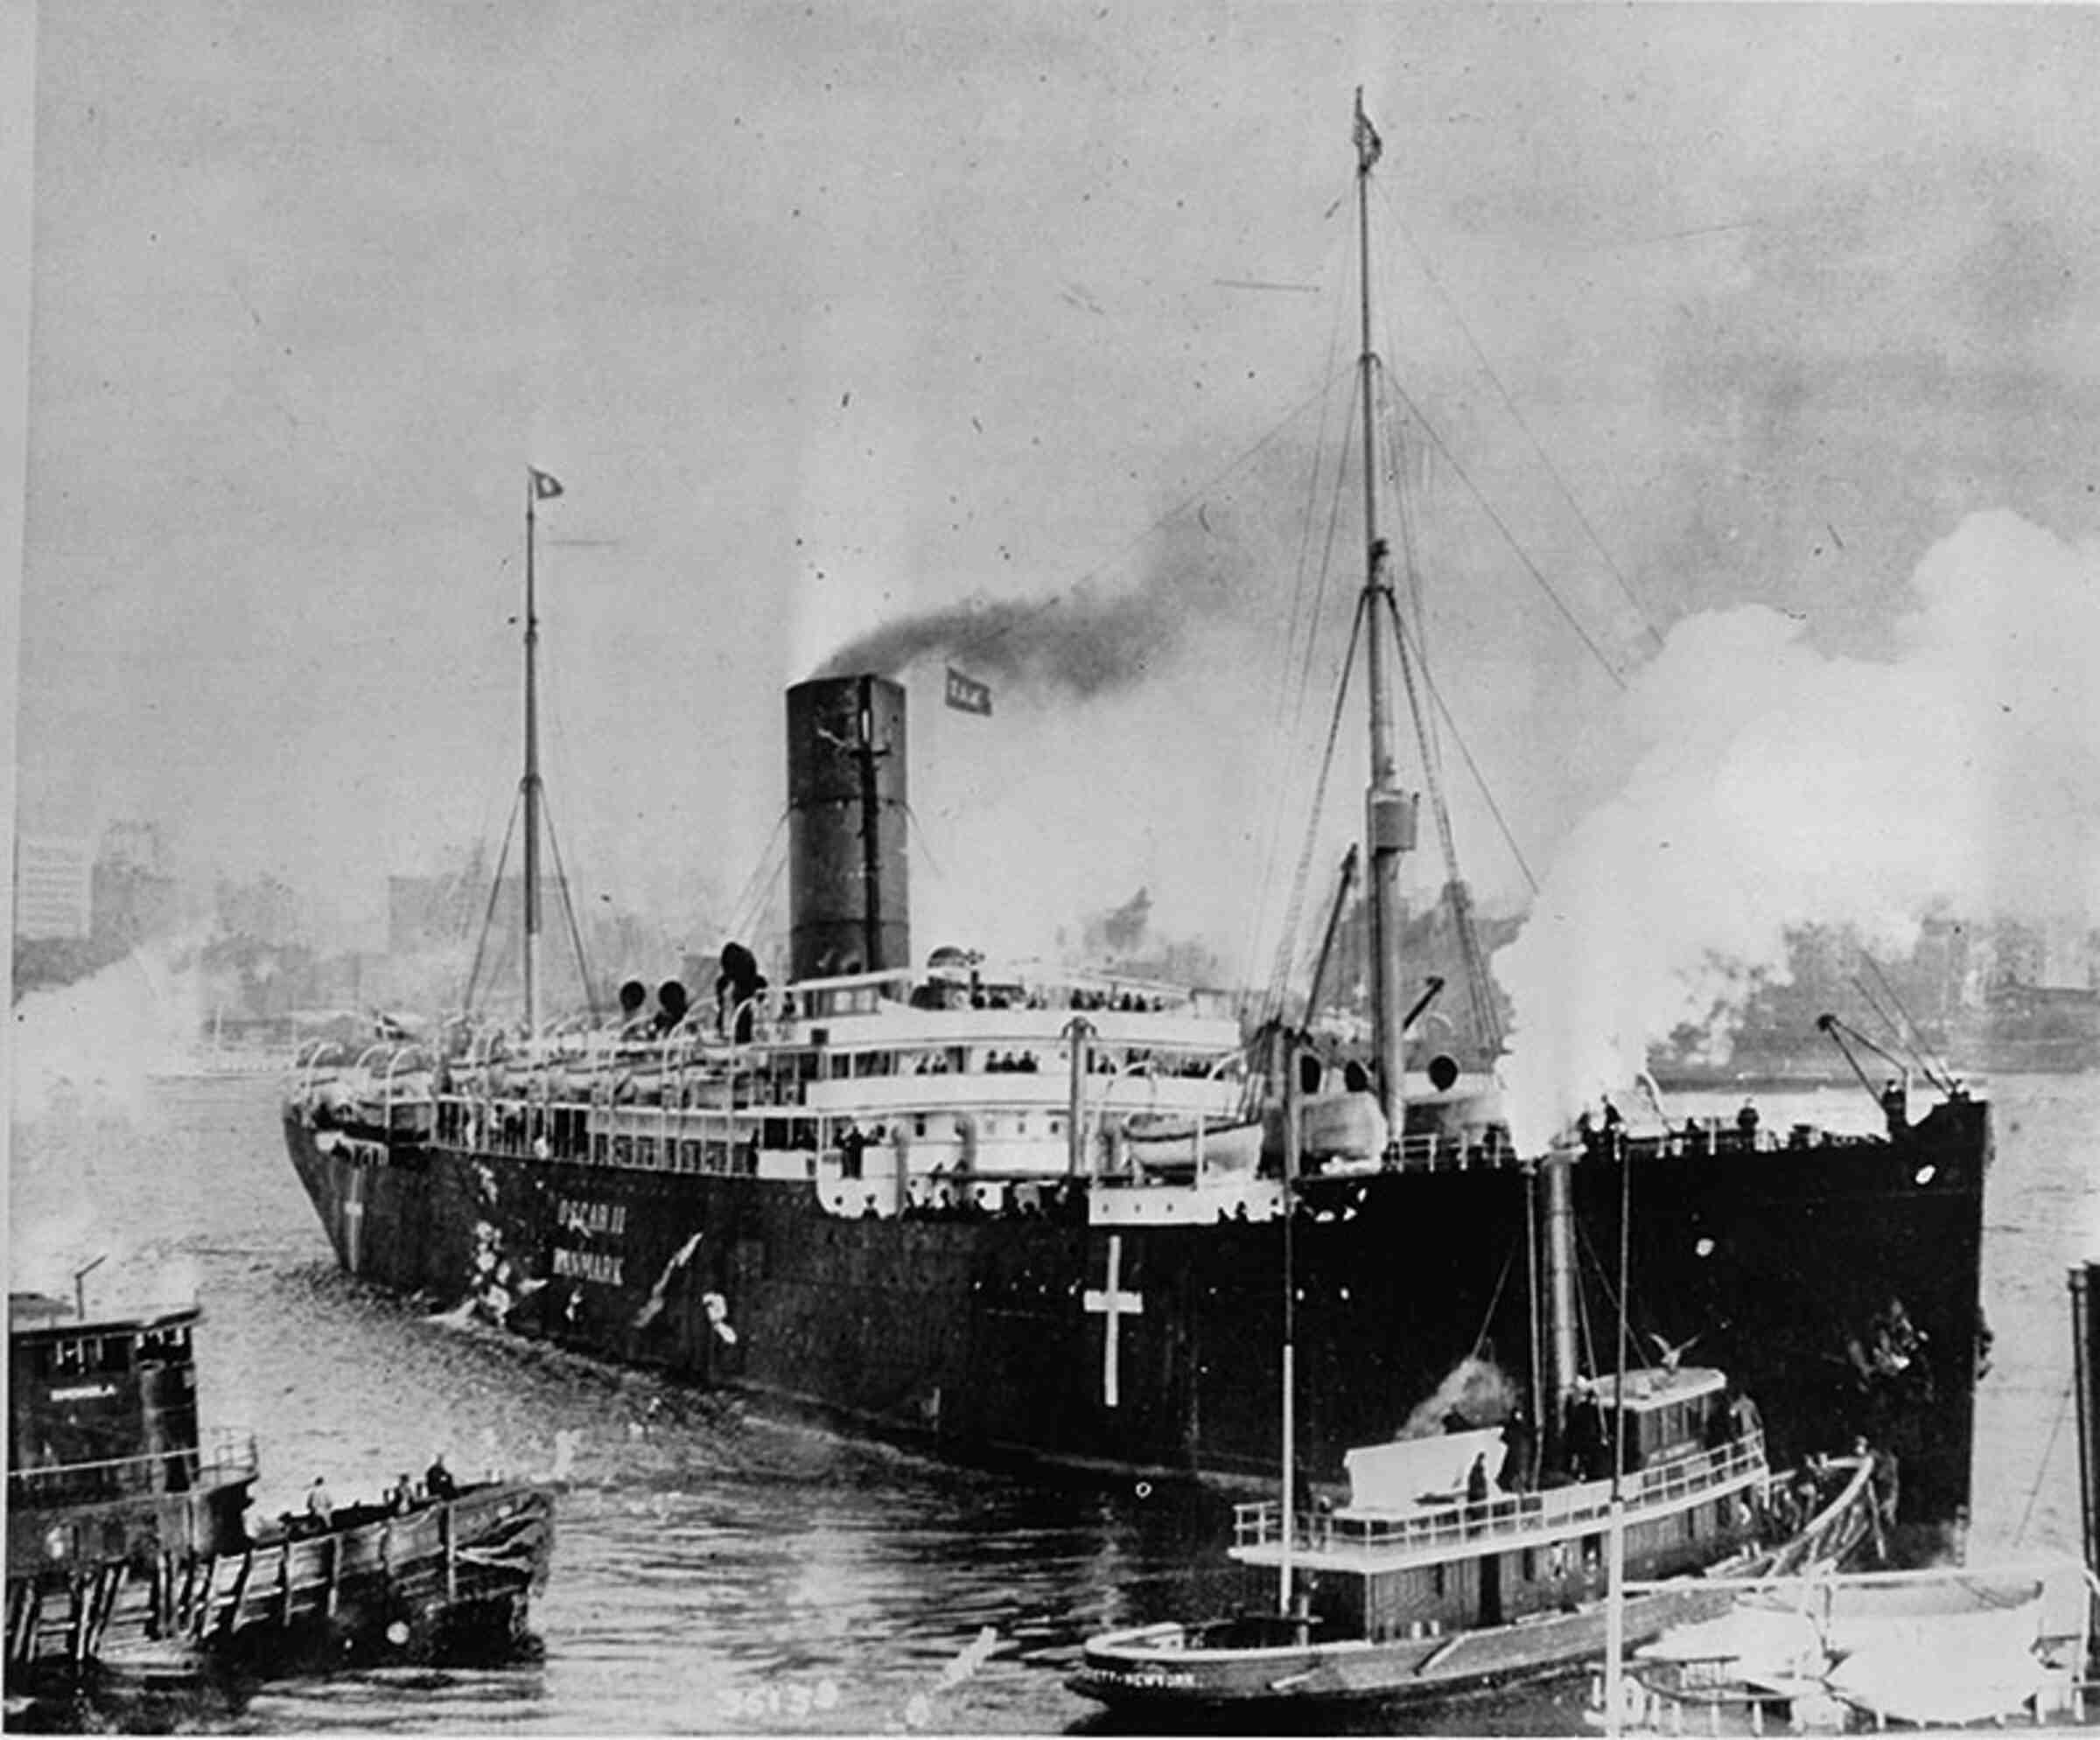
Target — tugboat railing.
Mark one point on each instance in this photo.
(1512, 1516)
(229, 1456)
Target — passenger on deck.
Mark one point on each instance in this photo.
(320, 1504)
(1476, 1480)
(1895, 1106)
(1588, 1457)
(1476, 1493)
(400, 1496)
(1521, 1444)
(1746, 1121)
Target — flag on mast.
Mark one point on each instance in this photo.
(545, 485)
(965, 694)
(1369, 146)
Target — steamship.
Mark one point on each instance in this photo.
(1040, 1216)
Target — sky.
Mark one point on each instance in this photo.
(1040, 319)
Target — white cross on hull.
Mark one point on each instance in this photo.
(354, 1223)
(1111, 1304)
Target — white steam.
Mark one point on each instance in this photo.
(1778, 786)
(94, 1046)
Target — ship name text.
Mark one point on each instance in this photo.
(588, 1265)
(591, 1218)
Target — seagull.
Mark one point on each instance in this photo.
(1671, 1355)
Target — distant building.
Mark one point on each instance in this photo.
(264, 911)
(135, 898)
(54, 890)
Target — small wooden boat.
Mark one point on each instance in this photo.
(1949, 1644)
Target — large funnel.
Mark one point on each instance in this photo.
(849, 898)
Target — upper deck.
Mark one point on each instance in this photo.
(1423, 1501)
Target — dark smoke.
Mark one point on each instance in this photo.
(1479, 1389)
(1082, 642)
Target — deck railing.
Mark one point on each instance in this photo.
(226, 1456)
(1572, 1509)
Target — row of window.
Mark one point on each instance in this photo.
(77, 1356)
(651, 1154)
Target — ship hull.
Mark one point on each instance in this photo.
(1150, 1349)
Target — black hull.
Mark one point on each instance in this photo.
(976, 1338)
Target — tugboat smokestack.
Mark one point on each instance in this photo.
(849, 898)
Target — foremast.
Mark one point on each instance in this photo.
(1389, 810)
(539, 486)
(536, 485)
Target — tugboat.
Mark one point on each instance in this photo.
(130, 1556)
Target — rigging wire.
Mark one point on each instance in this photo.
(750, 890)
(968, 646)
(1898, 1034)
(1508, 537)
(495, 891)
(1286, 949)
(1917, 1038)
(753, 903)
(1479, 778)
(467, 879)
(2048, 1453)
(1517, 416)
(576, 935)
(1488, 1321)
(552, 691)
(926, 846)
(1287, 938)
(1486, 1025)
(1288, 698)
(1414, 669)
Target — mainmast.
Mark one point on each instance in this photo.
(1389, 812)
(539, 486)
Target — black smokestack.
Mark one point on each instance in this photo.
(849, 898)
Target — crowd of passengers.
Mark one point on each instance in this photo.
(941, 994)
(940, 1196)
(937, 1198)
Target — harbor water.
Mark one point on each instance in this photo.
(719, 1572)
